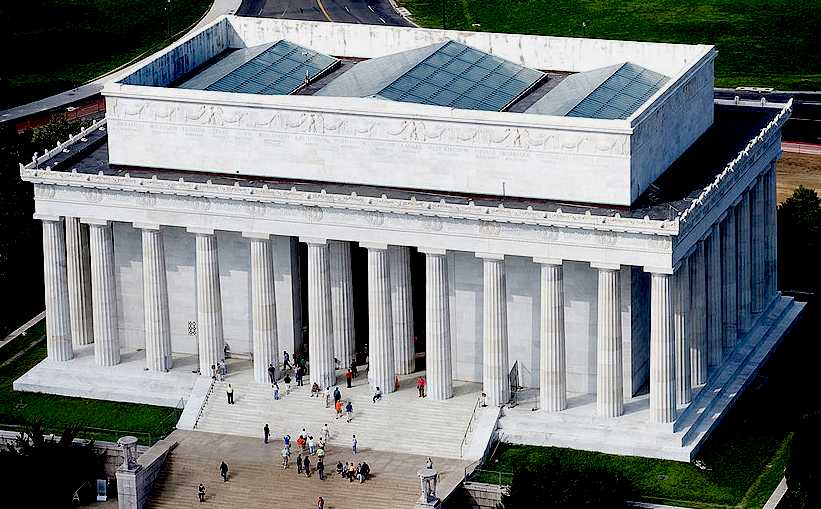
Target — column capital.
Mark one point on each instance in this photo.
(256, 235)
(317, 241)
(46, 217)
(440, 251)
(200, 231)
(374, 245)
(667, 271)
(547, 261)
(490, 256)
(605, 266)
(94, 221)
(146, 226)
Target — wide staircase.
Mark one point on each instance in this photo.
(256, 479)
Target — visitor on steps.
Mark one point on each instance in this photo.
(420, 386)
(340, 468)
(266, 432)
(337, 395)
(315, 390)
(224, 471)
(349, 410)
(349, 377)
(213, 372)
(299, 463)
(230, 392)
(271, 372)
(377, 394)
(338, 408)
(287, 380)
(286, 440)
(354, 371)
(311, 446)
(275, 387)
(306, 465)
(201, 492)
(320, 502)
(364, 471)
(320, 451)
(300, 442)
(353, 444)
(286, 361)
(300, 374)
(429, 463)
(328, 397)
(326, 432)
(320, 468)
(483, 399)
(286, 455)
(396, 382)
(351, 472)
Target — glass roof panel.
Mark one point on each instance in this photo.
(620, 95)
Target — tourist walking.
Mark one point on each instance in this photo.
(320, 503)
(337, 395)
(348, 377)
(311, 446)
(328, 397)
(299, 375)
(201, 492)
(224, 471)
(429, 463)
(266, 432)
(287, 441)
(338, 408)
(326, 432)
(320, 451)
(286, 455)
(213, 371)
(306, 465)
(230, 392)
(299, 463)
(276, 391)
(320, 468)
(349, 410)
(353, 444)
(272, 372)
(287, 380)
(377, 394)
(286, 361)
(420, 386)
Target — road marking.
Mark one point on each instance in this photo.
(283, 13)
(347, 10)
(371, 8)
(382, 20)
(322, 8)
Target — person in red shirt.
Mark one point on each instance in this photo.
(420, 386)
(349, 377)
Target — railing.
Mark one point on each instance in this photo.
(469, 427)
(204, 402)
(90, 433)
(63, 145)
(491, 477)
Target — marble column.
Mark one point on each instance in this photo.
(438, 358)
(104, 294)
(495, 367)
(155, 300)
(78, 265)
(342, 302)
(210, 334)
(381, 365)
(729, 272)
(744, 265)
(58, 323)
(320, 318)
(681, 324)
(553, 362)
(402, 306)
(662, 349)
(758, 249)
(263, 307)
(714, 320)
(771, 215)
(698, 315)
(609, 390)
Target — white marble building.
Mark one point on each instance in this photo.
(620, 253)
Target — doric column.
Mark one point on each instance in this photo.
(104, 294)
(381, 366)
(698, 315)
(728, 283)
(263, 307)
(78, 265)
(682, 326)
(320, 318)
(771, 214)
(714, 321)
(342, 302)
(495, 367)
(744, 265)
(662, 349)
(210, 338)
(58, 327)
(609, 391)
(758, 249)
(155, 300)
(402, 305)
(438, 359)
(553, 363)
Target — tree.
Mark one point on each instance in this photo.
(803, 472)
(799, 239)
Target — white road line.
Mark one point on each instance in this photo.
(283, 13)
(371, 8)
(382, 20)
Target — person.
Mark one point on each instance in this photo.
(299, 375)
(339, 467)
(429, 463)
(286, 455)
(286, 361)
(420, 386)
(220, 375)
(271, 372)
(364, 471)
(338, 408)
(320, 502)
(320, 467)
(224, 471)
(201, 492)
(337, 394)
(303, 434)
(306, 465)
(336, 363)
(311, 446)
(351, 472)
(328, 397)
(287, 441)
(354, 371)
(299, 463)
(349, 377)
(266, 432)
(326, 432)
(353, 444)
(213, 371)
(483, 399)
(377, 394)
(287, 380)
(320, 451)
(230, 392)
(300, 442)
(396, 382)
(276, 391)
(315, 390)
(349, 410)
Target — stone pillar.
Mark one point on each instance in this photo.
(744, 265)
(714, 320)
(662, 350)
(437, 325)
(320, 319)
(681, 317)
(771, 214)
(263, 307)
(58, 326)
(210, 339)
(495, 368)
(609, 390)
(104, 294)
(758, 248)
(402, 307)
(381, 365)
(155, 300)
(698, 314)
(78, 264)
(342, 302)
(553, 363)
(728, 283)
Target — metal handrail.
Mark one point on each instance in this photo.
(469, 426)
(204, 402)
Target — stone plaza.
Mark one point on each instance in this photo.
(573, 226)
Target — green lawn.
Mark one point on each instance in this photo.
(103, 420)
(774, 43)
(53, 45)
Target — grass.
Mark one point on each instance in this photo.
(55, 45)
(773, 43)
(101, 420)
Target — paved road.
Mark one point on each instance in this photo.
(371, 12)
